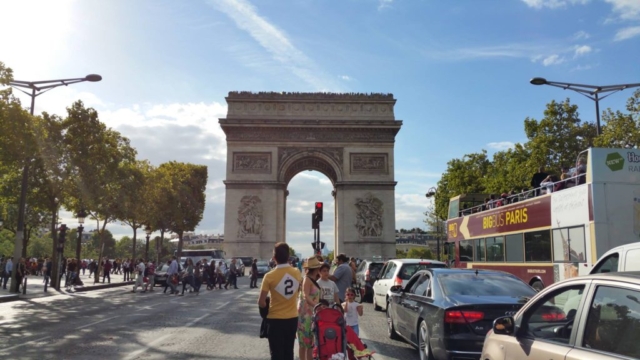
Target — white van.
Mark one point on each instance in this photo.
(621, 258)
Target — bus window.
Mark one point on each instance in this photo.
(537, 246)
(454, 208)
(515, 248)
(466, 250)
(569, 245)
(495, 249)
(480, 248)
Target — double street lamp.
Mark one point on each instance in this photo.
(430, 194)
(592, 92)
(37, 88)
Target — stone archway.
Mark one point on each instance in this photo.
(349, 138)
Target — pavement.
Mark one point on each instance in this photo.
(35, 287)
(117, 324)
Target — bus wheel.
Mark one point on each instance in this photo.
(537, 285)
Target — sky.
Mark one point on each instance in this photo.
(459, 70)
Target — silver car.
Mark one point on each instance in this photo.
(583, 318)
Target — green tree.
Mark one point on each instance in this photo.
(620, 129)
(420, 253)
(463, 176)
(186, 195)
(131, 205)
(558, 138)
(102, 159)
(509, 170)
(330, 256)
(400, 254)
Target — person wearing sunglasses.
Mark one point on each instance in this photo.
(352, 310)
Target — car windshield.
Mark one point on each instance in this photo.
(374, 268)
(408, 270)
(484, 284)
(262, 263)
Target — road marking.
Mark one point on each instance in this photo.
(222, 305)
(241, 296)
(134, 354)
(23, 344)
(93, 323)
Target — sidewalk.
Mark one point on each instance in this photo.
(35, 287)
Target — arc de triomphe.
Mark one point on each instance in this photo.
(272, 136)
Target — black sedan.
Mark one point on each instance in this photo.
(446, 313)
(263, 268)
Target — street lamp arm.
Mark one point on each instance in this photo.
(582, 88)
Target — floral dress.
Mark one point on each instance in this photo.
(305, 317)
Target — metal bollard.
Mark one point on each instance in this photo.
(24, 286)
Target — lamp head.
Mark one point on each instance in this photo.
(81, 216)
(148, 230)
(538, 81)
(93, 77)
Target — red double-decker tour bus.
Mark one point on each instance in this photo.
(557, 231)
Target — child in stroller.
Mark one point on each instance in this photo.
(334, 340)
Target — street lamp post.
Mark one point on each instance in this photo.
(37, 88)
(431, 193)
(81, 215)
(148, 231)
(590, 91)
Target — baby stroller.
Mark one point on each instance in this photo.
(330, 333)
(334, 339)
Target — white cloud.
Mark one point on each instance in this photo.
(501, 145)
(384, 4)
(627, 33)
(554, 59)
(581, 35)
(626, 9)
(582, 50)
(275, 41)
(582, 68)
(345, 77)
(553, 4)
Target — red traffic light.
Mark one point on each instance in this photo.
(318, 211)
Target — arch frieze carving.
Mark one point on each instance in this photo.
(285, 153)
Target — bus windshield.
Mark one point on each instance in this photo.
(197, 255)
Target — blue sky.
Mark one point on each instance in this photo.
(459, 70)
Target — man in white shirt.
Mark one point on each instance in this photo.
(173, 270)
(140, 277)
(328, 287)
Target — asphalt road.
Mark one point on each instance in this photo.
(117, 324)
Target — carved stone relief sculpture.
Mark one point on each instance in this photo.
(250, 217)
(369, 216)
(252, 162)
(369, 163)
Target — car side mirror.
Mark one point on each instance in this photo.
(504, 325)
(397, 289)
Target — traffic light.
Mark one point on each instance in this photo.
(315, 246)
(315, 224)
(319, 211)
(62, 236)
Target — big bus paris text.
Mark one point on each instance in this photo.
(557, 231)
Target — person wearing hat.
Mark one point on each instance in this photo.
(309, 298)
(342, 275)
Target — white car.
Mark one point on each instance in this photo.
(621, 258)
(398, 272)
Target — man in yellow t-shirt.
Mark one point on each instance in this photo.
(283, 285)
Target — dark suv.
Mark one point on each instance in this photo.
(366, 275)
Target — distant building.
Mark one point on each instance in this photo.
(190, 239)
(407, 241)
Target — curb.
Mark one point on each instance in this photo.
(103, 286)
(8, 298)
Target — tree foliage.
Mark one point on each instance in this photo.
(553, 142)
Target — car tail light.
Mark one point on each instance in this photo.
(424, 263)
(398, 281)
(462, 317)
(554, 316)
(367, 275)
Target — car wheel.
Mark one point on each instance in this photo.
(537, 285)
(391, 331)
(375, 305)
(423, 342)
